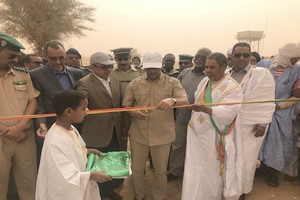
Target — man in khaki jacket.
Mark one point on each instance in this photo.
(152, 130)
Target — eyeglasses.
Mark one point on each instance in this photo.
(184, 63)
(238, 55)
(53, 59)
(10, 56)
(104, 67)
(122, 58)
(37, 62)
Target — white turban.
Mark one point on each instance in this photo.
(290, 50)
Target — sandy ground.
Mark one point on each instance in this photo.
(285, 191)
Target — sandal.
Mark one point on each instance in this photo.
(272, 181)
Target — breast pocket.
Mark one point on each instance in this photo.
(163, 94)
(142, 97)
(21, 91)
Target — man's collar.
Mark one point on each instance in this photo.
(130, 69)
(101, 79)
(247, 68)
(159, 78)
(194, 71)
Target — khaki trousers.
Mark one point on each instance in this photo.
(160, 155)
(20, 159)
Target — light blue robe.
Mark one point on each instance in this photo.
(278, 145)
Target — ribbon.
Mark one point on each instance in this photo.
(146, 108)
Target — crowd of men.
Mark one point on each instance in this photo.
(213, 145)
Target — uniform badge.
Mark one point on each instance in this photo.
(20, 82)
(3, 43)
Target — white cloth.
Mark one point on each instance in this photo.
(62, 173)
(285, 53)
(201, 173)
(106, 84)
(257, 84)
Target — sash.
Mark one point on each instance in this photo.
(228, 129)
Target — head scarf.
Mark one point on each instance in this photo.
(285, 53)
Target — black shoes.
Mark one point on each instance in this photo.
(242, 197)
(171, 177)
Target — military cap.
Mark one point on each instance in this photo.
(185, 57)
(73, 51)
(8, 42)
(121, 51)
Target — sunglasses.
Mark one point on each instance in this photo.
(184, 63)
(122, 58)
(60, 58)
(10, 56)
(238, 55)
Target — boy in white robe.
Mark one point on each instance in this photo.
(62, 173)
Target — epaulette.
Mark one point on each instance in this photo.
(22, 69)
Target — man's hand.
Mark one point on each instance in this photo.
(3, 129)
(138, 114)
(259, 130)
(197, 108)
(165, 104)
(99, 176)
(42, 131)
(15, 133)
(94, 151)
(201, 108)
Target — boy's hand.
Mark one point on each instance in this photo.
(99, 176)
(94, 151)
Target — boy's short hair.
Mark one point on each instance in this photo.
(66, 99)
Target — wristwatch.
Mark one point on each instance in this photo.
(174, 100)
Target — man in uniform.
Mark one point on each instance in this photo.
(125, 73)
(185, 61)
(17, 145)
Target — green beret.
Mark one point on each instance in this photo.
(8, 42)
(121, 51)
(185, 57)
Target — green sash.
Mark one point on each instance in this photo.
(227, 130)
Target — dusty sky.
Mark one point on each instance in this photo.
(184, 26)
